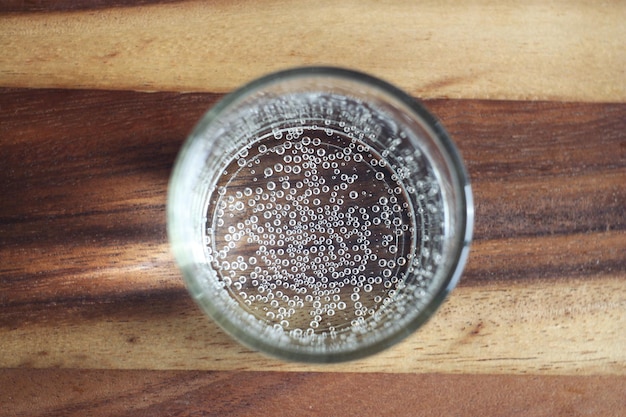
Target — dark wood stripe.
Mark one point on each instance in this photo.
(577, 256)
(534, 139)
(530, 176)
(141, 304)
(55, 392)
(22, 6)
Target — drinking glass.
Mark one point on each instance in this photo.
(319, 214)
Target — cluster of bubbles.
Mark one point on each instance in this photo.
(314, 234)
(310, 225)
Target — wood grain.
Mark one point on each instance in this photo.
(564, 50)
(32, 392)
(87, 281)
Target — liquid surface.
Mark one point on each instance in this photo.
(310, 232)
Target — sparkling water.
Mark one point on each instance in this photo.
(323, 225)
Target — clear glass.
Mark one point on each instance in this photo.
(319, 214)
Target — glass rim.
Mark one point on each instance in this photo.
(464, 212)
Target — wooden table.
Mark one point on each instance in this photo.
(97, 96)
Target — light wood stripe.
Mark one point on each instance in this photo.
(564, 50)
(500, 328)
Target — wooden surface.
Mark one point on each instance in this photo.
(533, 95)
